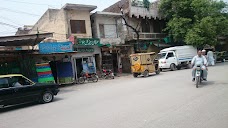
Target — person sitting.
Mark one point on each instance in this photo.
(202, 61)
(20, 83)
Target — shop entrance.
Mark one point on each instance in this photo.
(115, 62)
(79, 67)
(85, 64)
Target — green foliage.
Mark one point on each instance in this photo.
(146, 4)
(197, 22)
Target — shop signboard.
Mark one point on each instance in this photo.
(85, 50)
(55, 47)
(88, 41)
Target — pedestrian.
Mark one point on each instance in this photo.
(120, 68)
(210, 57)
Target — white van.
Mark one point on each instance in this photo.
(176, 57)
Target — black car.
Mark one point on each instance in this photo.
(17, 89)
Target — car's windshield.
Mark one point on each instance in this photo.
(162, 55)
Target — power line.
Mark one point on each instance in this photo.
(23, 2)
(10, 25)
(11, 20)
(7, 32)
(16, 11)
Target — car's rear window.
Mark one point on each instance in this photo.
(4, 83)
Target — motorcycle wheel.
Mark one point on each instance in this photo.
(103, 76)
(94, 78)
(112, 77)
(81, 80)
(197, 81)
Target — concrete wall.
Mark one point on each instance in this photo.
(110, 25)
(112, 29)
(58, 22)
(53, 20)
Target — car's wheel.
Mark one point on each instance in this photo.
(47, 97)
(173, 67)
(146, 73)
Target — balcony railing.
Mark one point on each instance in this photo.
(149, 36)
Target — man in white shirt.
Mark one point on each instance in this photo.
(202, 61)
(210, 58)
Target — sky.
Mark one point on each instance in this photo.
(17, 13)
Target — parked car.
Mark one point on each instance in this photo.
(221, 56)
(176, 57)
(17, 89)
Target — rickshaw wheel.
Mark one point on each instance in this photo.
(146, 73)
(135, 75)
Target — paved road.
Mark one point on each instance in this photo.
(169, 100)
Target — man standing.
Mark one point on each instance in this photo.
(202, 61)
(210, 58)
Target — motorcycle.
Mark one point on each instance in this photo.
(107, 74)
(199, 75)
(88, 77)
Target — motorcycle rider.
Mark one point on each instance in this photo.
(204, 54)
(202, 61)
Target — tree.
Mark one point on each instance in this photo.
(135, 29)
(196, 22)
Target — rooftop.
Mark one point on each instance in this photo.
(110, 14)
(24, 40)
(79, 7)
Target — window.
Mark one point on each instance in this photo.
(78, 26)
(19, 81)
(170, 55)
(145, 26)
(4, 83)
(102, 31)
(161, 55)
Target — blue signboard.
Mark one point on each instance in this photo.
(55, 47)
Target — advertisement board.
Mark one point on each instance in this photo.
(55, 47)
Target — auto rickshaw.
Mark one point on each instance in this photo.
(144, 63)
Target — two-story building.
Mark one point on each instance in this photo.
(72, 23)
(108, 27)
(144, 16)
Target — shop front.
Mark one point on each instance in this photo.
(111, 59)
(16, 54)
(54, 64)
(88, 57)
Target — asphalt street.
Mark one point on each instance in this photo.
(168, 100)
